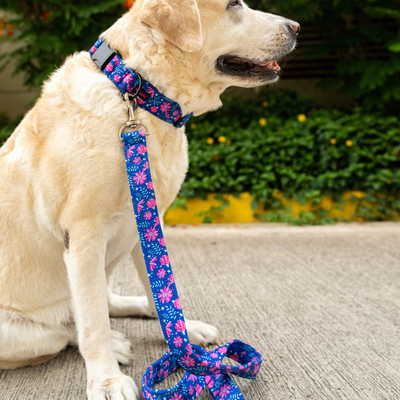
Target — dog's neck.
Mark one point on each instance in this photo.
(169, 69)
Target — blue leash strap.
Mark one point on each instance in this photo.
(203, 368)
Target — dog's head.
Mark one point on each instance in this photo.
(231, 43)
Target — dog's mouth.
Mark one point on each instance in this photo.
(242, 67)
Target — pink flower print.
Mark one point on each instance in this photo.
(153, 109)
(165, 107)
(213, 355)
(168, 328)
(116, 78)
(192, 378)
(254, 359)
(139, 177)
(150, 185)
(176, 396)
(166, 373)
(191, 390)
(188, 361)
(255, 371)
(209, 381)
(109, 67)
(151, 203)
(160, 372)
(93, 49)
(162, 240)
(217, 364)
(180, 325)
(164, 260)
(222, 350)
(151, 92)
(145, 166)
(156, 221)
(166, 115)
(128, 79)
(170, 279)
(140, 101)
(177, 304)
(136, 160)
(175, 113)
(165, 295)
(147, 215)
(189, 349)
(142, 149)
(178, 342)
(140, 206)
(153, 263)
(204, 363)
(199, 389)
(225, 390)
(151, 234)
(234, 357)
(115, 61)
(130, 151)
(161, 273)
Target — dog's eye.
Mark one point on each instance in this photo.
(234, 3)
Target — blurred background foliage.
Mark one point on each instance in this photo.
(361, 36)
(276, 141)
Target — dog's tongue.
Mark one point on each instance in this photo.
(271, 65)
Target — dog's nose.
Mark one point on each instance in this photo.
(294, 26)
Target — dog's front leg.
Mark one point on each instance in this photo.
(85, 261)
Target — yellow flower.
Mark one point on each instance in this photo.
(349, 143)
(333, 141)
(388, 181)
(301, 117)
(193, 126)
(228, 142)
(210, 140)
(265, 103)
(222, 139)
(263, 122)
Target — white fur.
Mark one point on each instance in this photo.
(63, 170)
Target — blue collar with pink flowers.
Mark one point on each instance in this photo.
(128, 81)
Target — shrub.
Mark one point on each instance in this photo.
(279, 143)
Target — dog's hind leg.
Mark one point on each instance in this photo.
(26, 343)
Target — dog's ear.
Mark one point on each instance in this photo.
(177, 20)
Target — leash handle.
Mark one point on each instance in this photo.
(203, 367)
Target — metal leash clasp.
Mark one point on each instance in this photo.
(130, 107)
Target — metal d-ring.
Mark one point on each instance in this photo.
(136, 94)
(133, 124)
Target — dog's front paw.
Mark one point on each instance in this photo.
(120, 388)
(121, 347)
(202, 334)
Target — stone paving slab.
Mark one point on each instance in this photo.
(322, 304)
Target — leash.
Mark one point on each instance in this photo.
(203, 368)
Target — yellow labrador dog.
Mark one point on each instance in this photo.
(65, 209)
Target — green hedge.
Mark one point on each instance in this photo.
(278, 142)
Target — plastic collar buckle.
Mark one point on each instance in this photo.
(104, 55)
